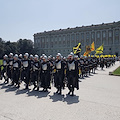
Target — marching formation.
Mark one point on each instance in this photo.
(43, 71)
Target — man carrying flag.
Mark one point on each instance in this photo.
(77, 49)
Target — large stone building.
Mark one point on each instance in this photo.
(63, 40)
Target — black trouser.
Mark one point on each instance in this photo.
(25, 75)
(3, 73)
(9, 72)
(58, 80)
(45, 79)
(16, 75)
(71, 82)
(35, 77)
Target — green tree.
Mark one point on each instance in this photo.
(24, 45)
(1, 48)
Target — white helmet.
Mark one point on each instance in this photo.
(11, 54)
(26, 55)
(31, 56)
(36, 56)
(16, 55)
(45, 57)
(20, 55)
(5, 56)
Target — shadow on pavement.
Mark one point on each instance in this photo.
(71, 99)
(38, 94)
(10, 88)
(18, 92)
(55, 97)
(43, 94)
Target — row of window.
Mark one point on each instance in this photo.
(77, 36)
(69, 43)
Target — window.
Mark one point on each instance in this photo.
(98, 35)
(77, 38)
(73, 39)
(64, 42)
(47, 42)
(116, 41)
(110, 33)
(52, 42)
(87, 35)
(55, 40)
(59, 41)
(104, 35)
(116, 32)
(68, 40)
(82, 35)
(93, 35)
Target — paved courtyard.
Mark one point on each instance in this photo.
(97, 99)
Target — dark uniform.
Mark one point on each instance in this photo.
(72, 76)
(4, 71)
(35, 73)
(25, 75)
(102, 63)
(16, 72)
(82, 68)
(45, 75)
(59, 75)
(10, 69)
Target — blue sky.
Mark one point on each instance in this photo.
(23, 18)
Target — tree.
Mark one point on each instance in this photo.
(25, 45)
(21, 46)
(10, 47)
(1, 48)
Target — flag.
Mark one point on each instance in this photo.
(77, 49)
(99, 50)
(88, 49)
(85, 54)
(92, 46)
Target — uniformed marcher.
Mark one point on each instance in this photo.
(35, 71)
(59, 74)
(16, 71)
(72, 74)
(82, 68)
(10, 67)
(86, 65)
(45, 74)
(4, 71)
(102, 63)
(26, 65)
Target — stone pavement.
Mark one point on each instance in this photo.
(97, 99)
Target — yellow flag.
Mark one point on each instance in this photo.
(77, 48)
(92, 46)
(99, 50)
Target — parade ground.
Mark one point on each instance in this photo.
(97, 99)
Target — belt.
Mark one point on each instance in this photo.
(15, 68)
(43, 71)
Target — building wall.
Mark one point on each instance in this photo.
(63, 40)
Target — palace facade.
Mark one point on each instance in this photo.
(63, 40)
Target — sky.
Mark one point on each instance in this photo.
(21, 19)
